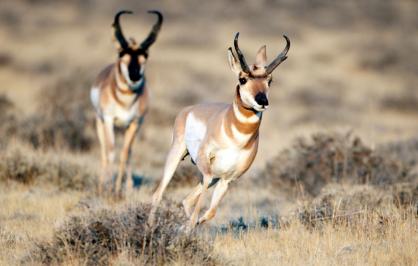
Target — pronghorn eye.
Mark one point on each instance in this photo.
(270, 81)
(242, 81)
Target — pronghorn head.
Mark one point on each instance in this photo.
(133, 56)
(254, 81)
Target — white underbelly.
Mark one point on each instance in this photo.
(124, 116)
(195, 131)
(225, 162)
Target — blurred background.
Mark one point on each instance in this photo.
(343, 107)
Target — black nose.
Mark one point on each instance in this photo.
(261, 99)
(134, 76)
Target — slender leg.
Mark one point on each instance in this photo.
(193, 218)
(109, 137)
(218, 194)
(104, 157)
(125, 155)
(173, 159)
(191, 199)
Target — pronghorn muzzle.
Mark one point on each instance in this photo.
(261, 99)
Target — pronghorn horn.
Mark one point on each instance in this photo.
(244, 65)
(154, 31)
(118, 31)
(280, 58)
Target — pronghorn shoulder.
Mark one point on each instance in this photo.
(206, 111)
(104, 77)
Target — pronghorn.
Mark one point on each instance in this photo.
(221, 139)
(120, 98)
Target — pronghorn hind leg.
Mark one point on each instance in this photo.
(175, 154)
(125, 156)
(218, 195)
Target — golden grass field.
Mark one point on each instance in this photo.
(335, 181)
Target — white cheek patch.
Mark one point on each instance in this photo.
(248, 98)
(125, 72)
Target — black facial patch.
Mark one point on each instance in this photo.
(134, 68)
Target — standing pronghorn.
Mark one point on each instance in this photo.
(222, 139)
(120, 97)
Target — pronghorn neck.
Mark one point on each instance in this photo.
(244, 114)
(241, 123)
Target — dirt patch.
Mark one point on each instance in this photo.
(100, 237)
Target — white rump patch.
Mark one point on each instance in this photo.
(195, 131)
(95, 97)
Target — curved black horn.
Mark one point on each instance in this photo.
(244, 65)
(280, 58)
(118, 31)
(152, 36)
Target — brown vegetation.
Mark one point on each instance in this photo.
(98, 239)
(332, 158)
(24, 165)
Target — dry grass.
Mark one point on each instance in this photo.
(367, 240)
(339, 204)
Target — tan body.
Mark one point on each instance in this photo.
(116, 105)
(222, 139)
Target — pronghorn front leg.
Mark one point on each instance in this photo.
(200, 199)
(107, 143)
(104, 158)
(203, 163)
(191, 200)
(125, 156)
(218, 195)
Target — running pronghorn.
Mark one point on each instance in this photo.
(221, 139)
(120, 97)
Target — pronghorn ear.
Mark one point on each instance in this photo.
(261, 57)
(233, 62)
